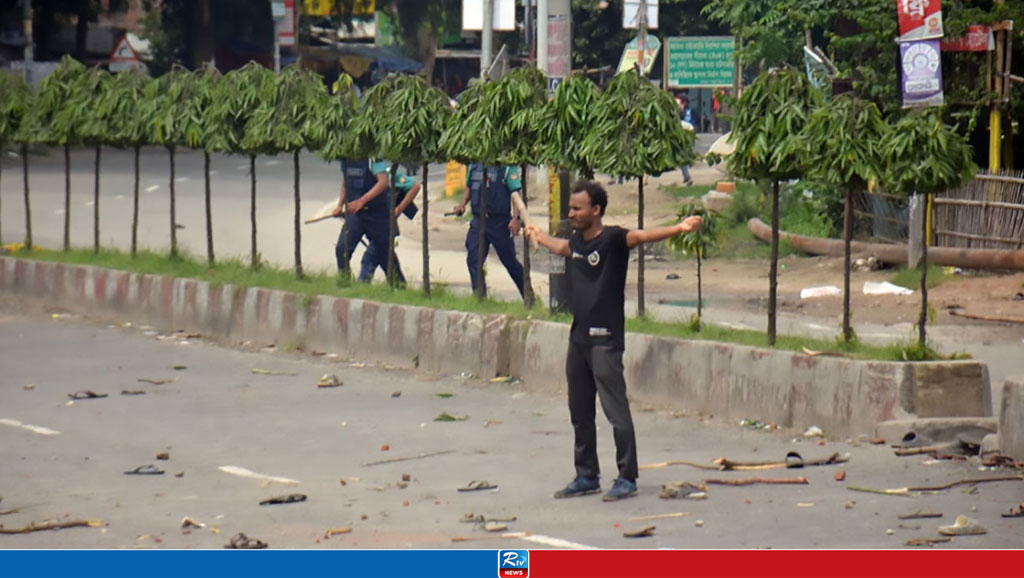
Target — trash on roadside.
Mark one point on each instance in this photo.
(154, 381)
(495, 527)
(329, 380)
(840, 475)
(242, 542)
(147, 470)
(699, 523)
(444, 395)
(132, 392)
(926, 541)
(869, 264)
(396, 394)
(757, 424)
(684, 490)
(180, 367)
(849, 505)
(917, 514)
(491, 422)
(642, 533)
(813, 432)
(885, 288)
(86, 394)
(385, 447)
(406, 478)
(259, 371)
(187, 522)
(889, 531)
(163, 456)
(826, 291)
(963, 526)
(510, 379)
(285, 499)
(672, 277)
(477, 485)
(1017, 512)
(449, 417)
(52, 525)
(29, 387)
(337, 531)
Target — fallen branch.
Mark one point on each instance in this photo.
(725, 464)
(996, 318)
(890, 492)
(407, 458)
(660, 465)
(751, 481)
(919, 514)
(41, 526)
(926, 541)
(490, 537)
(659, 516)
(921, 450)
(968, 482)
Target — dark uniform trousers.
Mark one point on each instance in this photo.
(597, 370)
(497, 236)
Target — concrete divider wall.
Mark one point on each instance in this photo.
(1011, 419)
(842, 396)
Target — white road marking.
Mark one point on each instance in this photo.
(59, 212)
(89, 203)
(817, 327)
(32, 428)
(181, 179)
(152, 188)
(272, 163)
(119, 197)
(556, 542)
(237, 471)
(242, 167)
(214, 172)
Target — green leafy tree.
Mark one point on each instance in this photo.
(843, 140)
(15, 103)
(769, 119)
(636, 132)
(236, 97)
(125, 108)
(925, 156)
(55, 123)
(520, 97)
(283, 122)
(95, 132)
(199, 134)
(408, 128)
(563, 124)
(698, 242)
(170, 107)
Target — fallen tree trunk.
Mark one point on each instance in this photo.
(897, 254)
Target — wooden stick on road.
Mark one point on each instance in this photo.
(752, 481)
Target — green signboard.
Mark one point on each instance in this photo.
(700, 61)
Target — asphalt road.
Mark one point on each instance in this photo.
(216, 413)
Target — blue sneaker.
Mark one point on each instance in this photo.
(620, 489)
(580, 487)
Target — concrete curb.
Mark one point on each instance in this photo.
(1011, 419)
(844, 397)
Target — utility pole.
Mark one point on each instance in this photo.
(29, 57)
(542, 36)
(642, 41)
(487, 38)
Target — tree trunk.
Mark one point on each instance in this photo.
(847, 241)
(428, 38)
(700, 294)
(67, 196)
(28, 206)
(209, 209)
(528, 297)
(426, 233)
(135, 204)
(392, 225)
(253, 257)
(773, 271)
(298, 218)
(922, 322)
(174, 224)
(481, 253)
(640, 308)
(1, 196)
(81, 30)
(96, 202)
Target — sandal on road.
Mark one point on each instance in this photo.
(86, 394)
(477, 485)
(242, 542)
(147, 470)
(286, 499)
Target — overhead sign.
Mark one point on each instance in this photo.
(326, 7)
(921, 65)
(631, 14)
(700, 61)
(504, 17)
(631, 54)
(977, 39)
(126, 54)
(919, 19)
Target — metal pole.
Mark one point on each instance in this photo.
(528, 27)
(642, 24)
(487, 38)
(277, 51)
(29, 57)
(542, 36)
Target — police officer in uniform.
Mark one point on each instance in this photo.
(500, 222)
(365, 200)
(407, 189)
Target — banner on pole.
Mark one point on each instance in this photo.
(919, 19)
(921, 65)
(977, 39)
(631, 54)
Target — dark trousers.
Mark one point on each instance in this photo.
(356, 227)
(375, 257)
(499, 238)
(594, 370)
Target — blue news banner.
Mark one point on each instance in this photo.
(266, 563)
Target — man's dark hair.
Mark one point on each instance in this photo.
(598, 196)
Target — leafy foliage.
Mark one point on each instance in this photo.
(15, 105)
(518, 99)
(698, 242)
(333, 132)
(769, 115)
(636, 130)
(285, 117)
(843, 141)
(468, 138)
(51, 121)
(91, 97)
(564, 123)
(199, 131)
(403, 119)
(925, 155)
(170, 110)
(235, 98)
(125, 108)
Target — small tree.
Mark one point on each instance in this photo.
(564, 122)
(236, 98)
(769, 119)
(283, 122)
(925, 156)
(128, 126)
(198, 131)
(469, 138)
(636, 132)
(56, 123)
(843, 142)
(14, 107)
(519, 99)
(95, 131)
(408, 123)
(170, 102)
(698, 242)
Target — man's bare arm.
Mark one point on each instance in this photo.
(553, 244)
(641, 236)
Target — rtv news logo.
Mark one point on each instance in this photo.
(513, 563)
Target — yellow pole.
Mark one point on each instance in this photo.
(995, 153)
(928, 222)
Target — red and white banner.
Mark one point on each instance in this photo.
(286, 24)
(977, 39)
(919, 19)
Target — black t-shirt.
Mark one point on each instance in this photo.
(598, 274)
